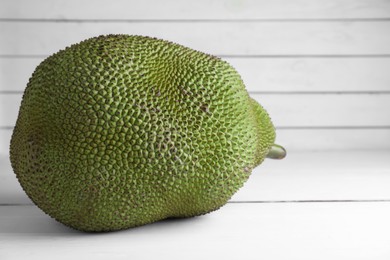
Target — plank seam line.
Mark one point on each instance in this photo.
(307, 201)
(207, 20)
(379, 92)
(307, 56)
(258, 202)
(238, 56)
(377, 127)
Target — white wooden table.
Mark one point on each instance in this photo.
(320, 68)
(333, 205)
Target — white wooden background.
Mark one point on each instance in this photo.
(321, 69)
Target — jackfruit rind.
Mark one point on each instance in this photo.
(119, 131)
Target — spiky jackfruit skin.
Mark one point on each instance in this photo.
(120, 131)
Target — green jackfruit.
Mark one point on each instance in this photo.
(119, 131)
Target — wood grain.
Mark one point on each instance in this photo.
(201, 9)
(262, 74)
(248, 38)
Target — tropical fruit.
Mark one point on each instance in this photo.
(119, 131)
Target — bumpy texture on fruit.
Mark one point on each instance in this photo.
(119, 131)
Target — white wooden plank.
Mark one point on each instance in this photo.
(326, 110)
(247, 38)
(10, 190)
(295, 110)
(302, 231)
(334, 139)
(332, 175)
(314, 75)
(301, 139)
(262, 74)
(5, 137)
(9, 108)
(14, 73)
(201, 9)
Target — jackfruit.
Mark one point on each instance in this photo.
(119, 131)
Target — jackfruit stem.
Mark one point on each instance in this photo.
(276, 152)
